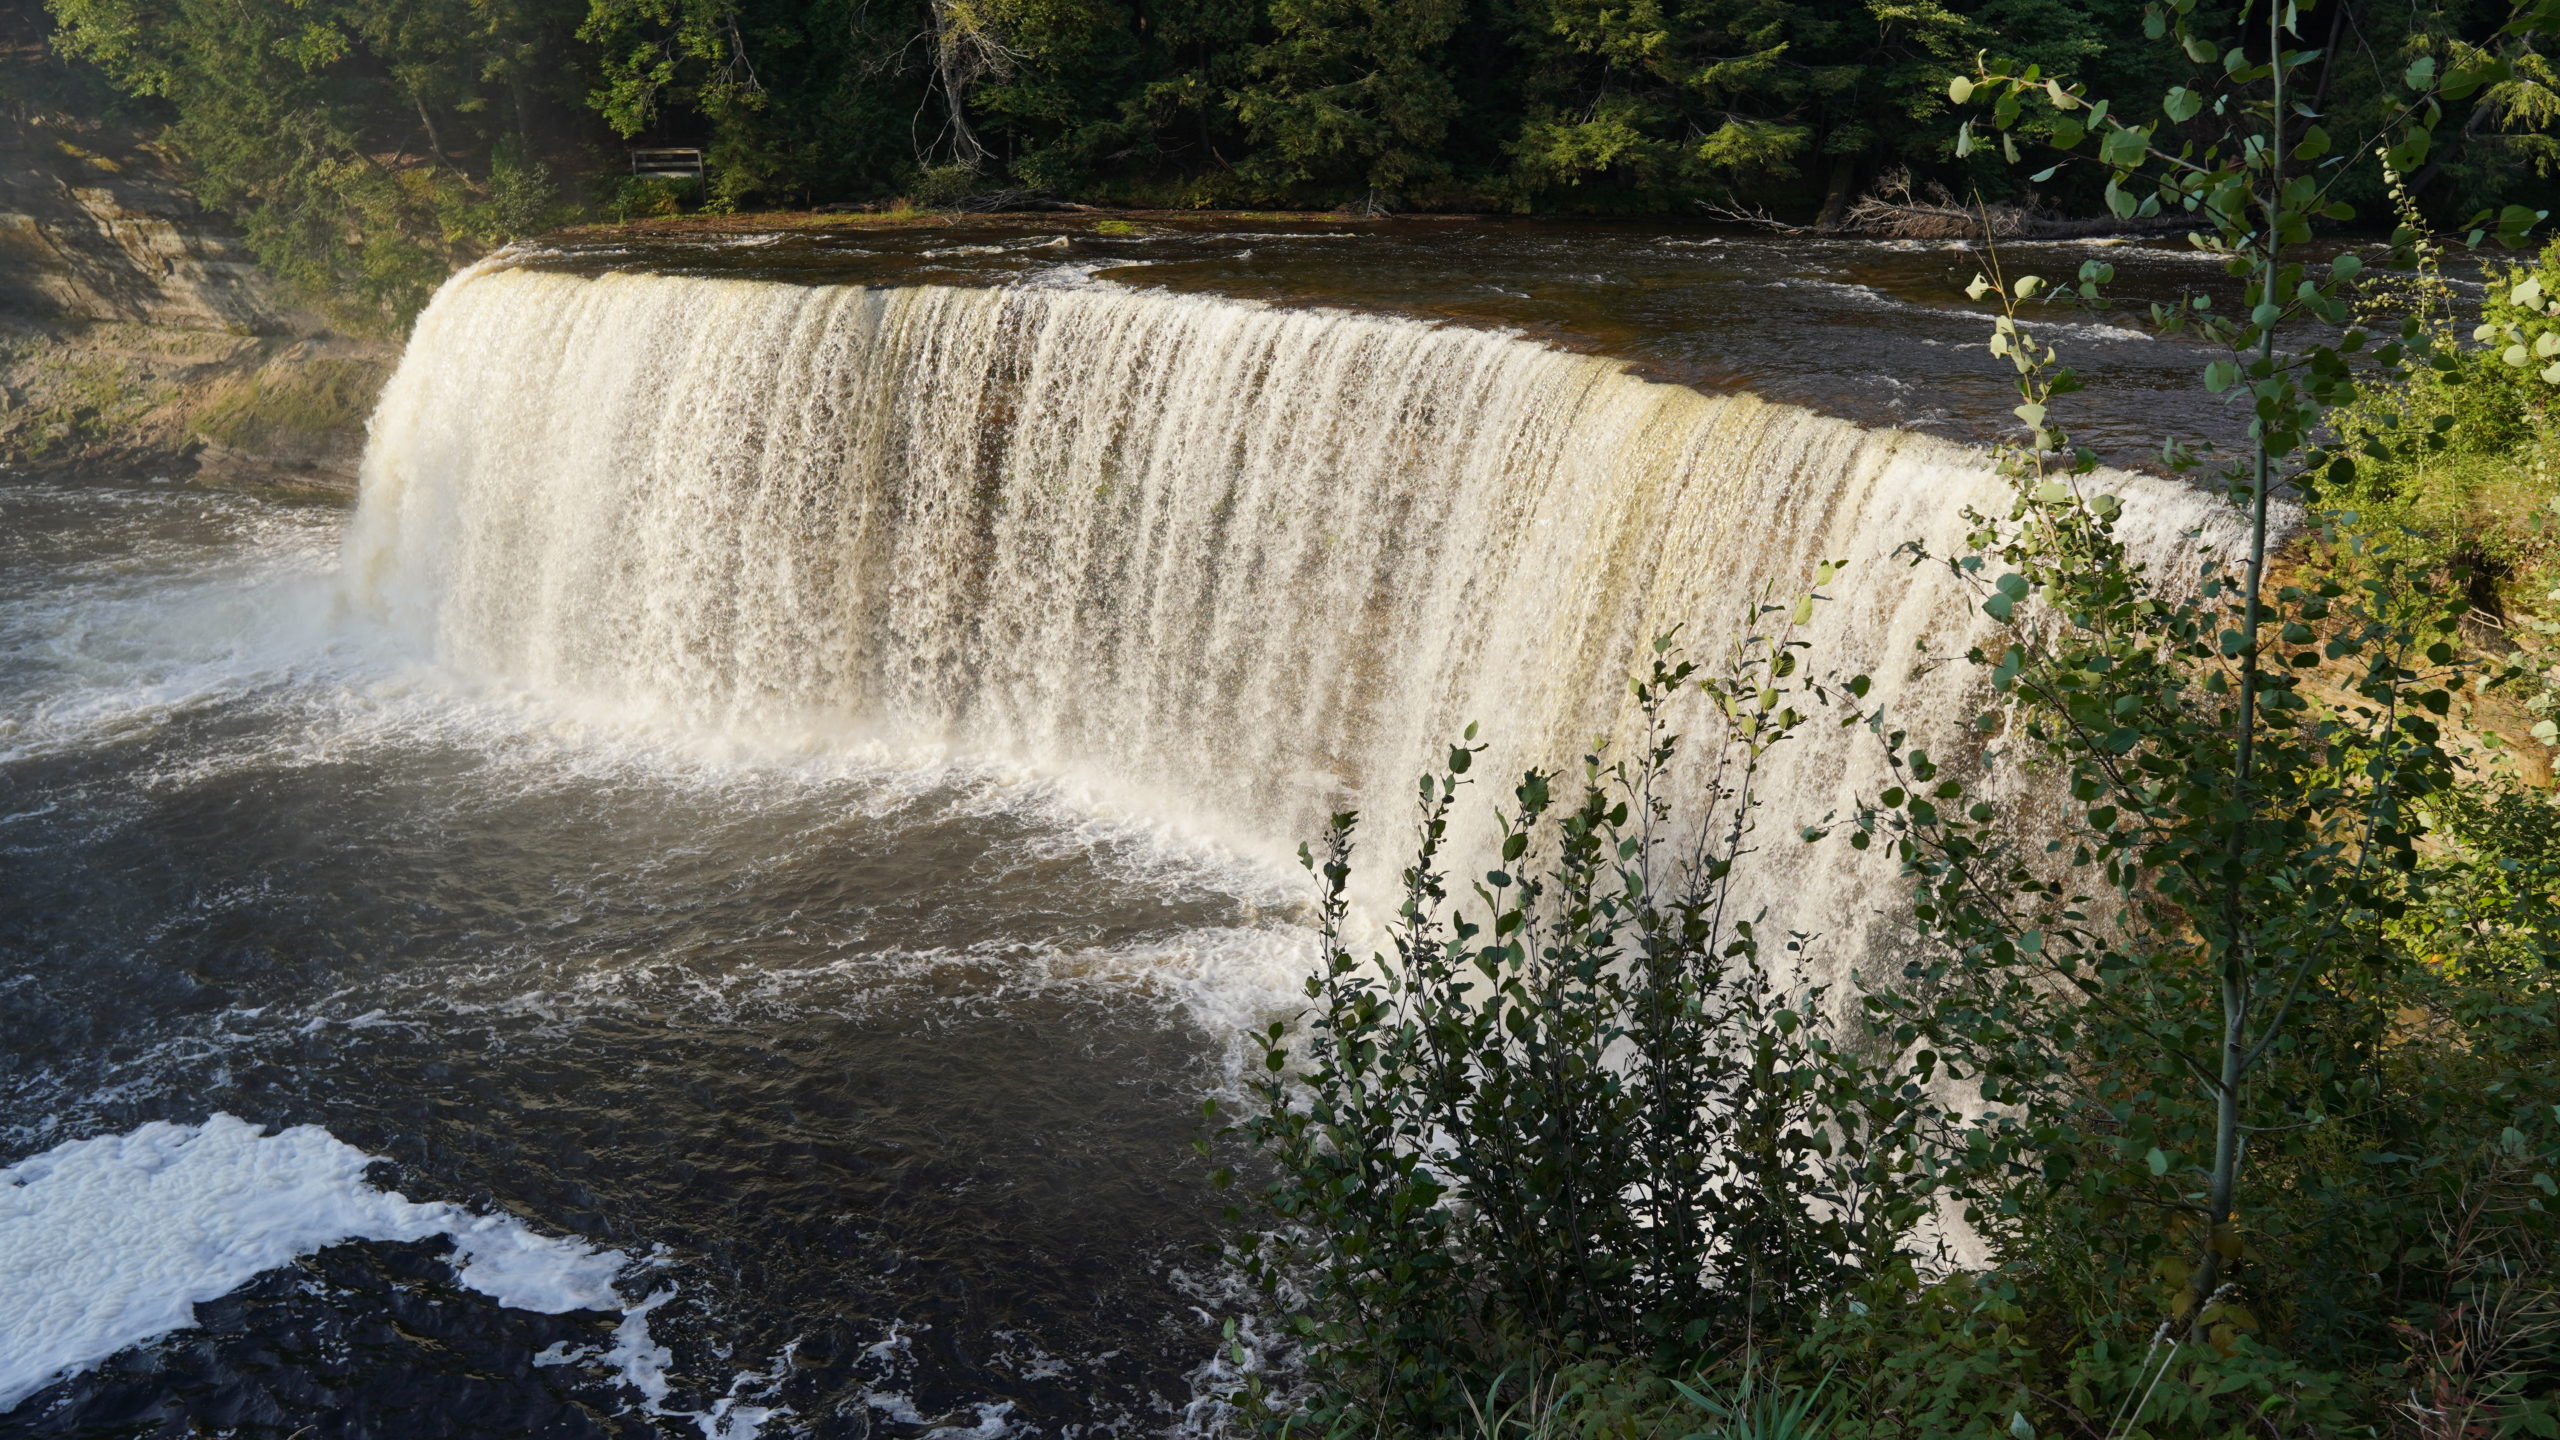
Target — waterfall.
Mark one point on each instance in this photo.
(1237, 562)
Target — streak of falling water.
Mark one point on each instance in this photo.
(1231, 562)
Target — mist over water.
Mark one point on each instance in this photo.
(793, 784)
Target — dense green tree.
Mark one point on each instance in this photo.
(37, 79)
(364, 145)
(1352, 95)
(1740, 99)
(796, 101)
(1105, 98)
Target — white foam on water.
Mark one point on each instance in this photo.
(108, 1242)
(111, 1242)
(994, 1418)
(2045, 322)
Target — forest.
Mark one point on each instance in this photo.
(365, 146)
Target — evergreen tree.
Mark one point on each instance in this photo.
(1352, 95)
(364, 145)
(367, 145)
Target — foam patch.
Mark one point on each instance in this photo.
(110, 1242)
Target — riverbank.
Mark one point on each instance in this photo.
(276, 414)
(137, 333)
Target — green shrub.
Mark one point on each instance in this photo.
(942, 187)
(2461, 453)
(1584, 1117)
(649, 197)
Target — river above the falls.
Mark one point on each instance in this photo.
(1876, 331)
(710, 902)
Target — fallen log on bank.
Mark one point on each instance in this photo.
(1916, 220)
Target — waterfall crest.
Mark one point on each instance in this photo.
(1255, 563)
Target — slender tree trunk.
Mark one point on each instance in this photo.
(962, 56)
(1835, 202)
(434, 143)
(2329, 54)
(2223, 1192)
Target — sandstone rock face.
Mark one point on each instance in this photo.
(112, 234)
(138, 336)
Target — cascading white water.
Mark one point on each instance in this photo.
(1255, 564)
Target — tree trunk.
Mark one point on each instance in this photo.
(434, 143)
(1844, 182)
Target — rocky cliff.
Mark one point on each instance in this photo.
(138, 336)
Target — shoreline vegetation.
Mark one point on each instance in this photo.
(2236, 1065)
(359, 151)
(365, 148)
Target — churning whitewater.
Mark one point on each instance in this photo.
(1242, 563)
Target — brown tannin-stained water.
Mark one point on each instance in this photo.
(708, 904)
(1876, 331)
